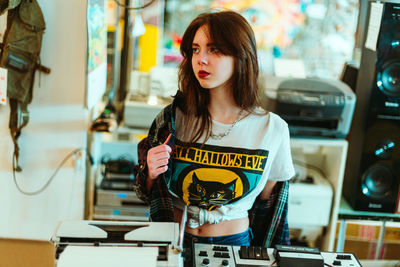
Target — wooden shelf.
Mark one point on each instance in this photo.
(328, 155)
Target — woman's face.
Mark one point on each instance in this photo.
(211, 68)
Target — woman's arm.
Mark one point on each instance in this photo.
(264, 195)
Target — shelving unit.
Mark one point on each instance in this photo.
(328, 155)
(114, 145)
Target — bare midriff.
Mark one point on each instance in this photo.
(220, 229)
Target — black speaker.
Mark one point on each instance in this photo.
(372, 175)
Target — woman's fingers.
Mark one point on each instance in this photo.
(161, 148)
(157, 168)
(157, 171)
(159, 152)
(157, 159)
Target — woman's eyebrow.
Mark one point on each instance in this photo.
(209, 44)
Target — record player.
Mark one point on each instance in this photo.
(311, 107)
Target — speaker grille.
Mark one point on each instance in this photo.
(388, 80)
(377, 182)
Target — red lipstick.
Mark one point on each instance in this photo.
(203, 73)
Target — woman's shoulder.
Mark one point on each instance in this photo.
(268, 117)
(277, 120)
(164, 115)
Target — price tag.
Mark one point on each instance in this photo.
(3, 86)
(374, 25)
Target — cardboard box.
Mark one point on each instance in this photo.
(26, 253)
(370, 232)
(366, 250)
(361, 240)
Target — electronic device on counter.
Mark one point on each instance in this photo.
(121, 144)
(207, 255)
(163, 81)
(132, 213)
(287, 256)
(310, 201)
(116, 157)
(140, 111)
(117, 198)
(74, 238)
(309, 206)
(120, 205)
(311, 107)
(117, 174)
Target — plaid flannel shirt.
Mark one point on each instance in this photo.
(268, 218)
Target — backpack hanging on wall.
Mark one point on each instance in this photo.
(19, 54)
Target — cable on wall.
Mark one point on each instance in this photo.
(40, 190)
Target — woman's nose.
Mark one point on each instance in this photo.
(203, 60)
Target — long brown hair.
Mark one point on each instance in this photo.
(233, 36)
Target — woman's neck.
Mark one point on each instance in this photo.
(222, 106)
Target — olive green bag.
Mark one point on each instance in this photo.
(19, 54)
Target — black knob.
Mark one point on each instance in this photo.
(225, 263)
(206, 261)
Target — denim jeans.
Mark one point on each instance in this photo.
(240, 239)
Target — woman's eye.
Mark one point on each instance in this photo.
(213, 50)
(195, 50)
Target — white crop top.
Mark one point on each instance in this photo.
(225, 176)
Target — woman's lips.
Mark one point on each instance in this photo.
(203, 74)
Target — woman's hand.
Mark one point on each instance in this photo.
(157, 159)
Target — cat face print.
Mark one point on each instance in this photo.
(210, 194)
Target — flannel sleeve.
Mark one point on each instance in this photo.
(140, 171)
(268, 218)
(158, 133)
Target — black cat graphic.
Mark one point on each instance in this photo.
(210, 194)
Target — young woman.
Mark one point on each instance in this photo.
(214, 149)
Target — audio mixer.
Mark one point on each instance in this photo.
(207, 255)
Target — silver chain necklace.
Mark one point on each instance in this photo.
(227, 131)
